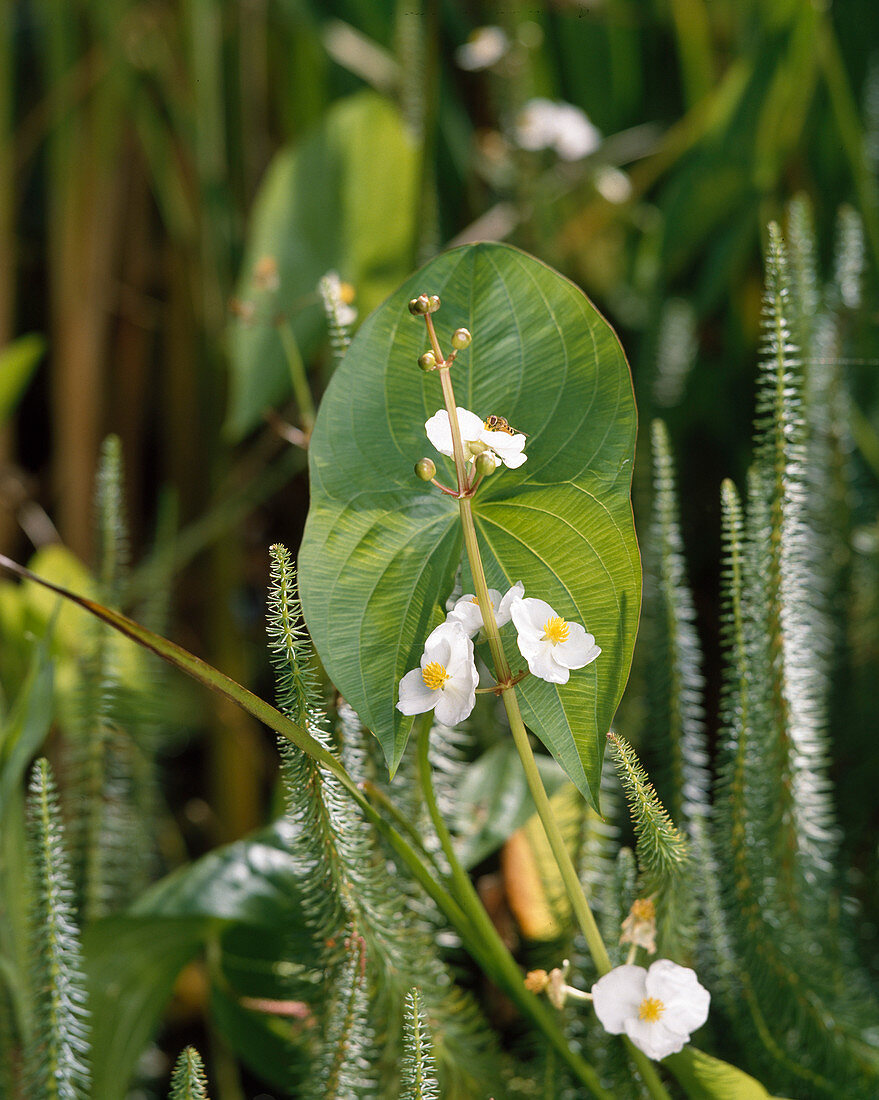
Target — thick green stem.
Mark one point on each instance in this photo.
(467, 897)
(301, 388)
(570, 878)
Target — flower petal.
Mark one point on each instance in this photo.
(546, 666)
(655, 1039)
(617, 995)
(579, 650)
(415, 696)
(439, 432)
(466, 612)
(455, 703)
(514, 461)
(686, 1001)
(471, 425)
(530, 615)
(512, 596)
(508, 448)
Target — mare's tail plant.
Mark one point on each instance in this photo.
(375, 945)
(58, 1050)
(188, 1080)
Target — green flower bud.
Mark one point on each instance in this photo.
(420, 305)
(433, 303)
(486, 464)
(427, 361)
(425, 469)
(461, 339)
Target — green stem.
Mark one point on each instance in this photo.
(301, 388)
(403, 824)
(570, 878)
(468, 899)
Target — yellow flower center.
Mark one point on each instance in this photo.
(644, 909)
(555, 630)
(650, 1009)
(434, 675)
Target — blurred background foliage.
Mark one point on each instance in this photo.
(175, 179)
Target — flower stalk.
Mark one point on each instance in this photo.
(506, 689)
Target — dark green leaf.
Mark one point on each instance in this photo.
(380, 550)
(27, 725)
(131, 965)
(493, 800)
(253, 881)
(272, 1046)
(17, 363)
(707, 1078)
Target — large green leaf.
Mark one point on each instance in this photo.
(343, 199)
(381, 548)
(255, 881)
(707, 1078)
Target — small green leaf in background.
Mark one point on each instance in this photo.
(707, 1078)
(493, 800)
(18, 361)
(344, 199)
(131, 965)
(381, 549)
(253, 881)
(23, 732)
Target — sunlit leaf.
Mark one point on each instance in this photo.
(380, 548)
(344, 200)
(707, 1078)
(18, 361)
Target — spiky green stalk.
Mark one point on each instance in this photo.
(661, 848)
(419, 1080)
(58, 1059)
(188, 1081)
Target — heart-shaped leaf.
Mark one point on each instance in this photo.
(381, 549)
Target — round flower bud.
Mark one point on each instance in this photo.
(427, 361)
(486, 464)
(461, 339)
(419, 305)
(433, 303)
(425, 469)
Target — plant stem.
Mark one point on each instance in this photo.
(467, 897)
(570, 878)
(301, 388)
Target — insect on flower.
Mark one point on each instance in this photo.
(501, 424)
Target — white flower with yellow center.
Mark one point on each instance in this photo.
(657, 1008)
(446, 681)
(476, 438)
(466, 609)
(550, 644)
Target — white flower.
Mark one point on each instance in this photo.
(657, 1008)
(446, 681)
(507, 445)
(475, 438)
(338, 297)
(551, 645)
(484, 48)
(466, 609)
(543, 124)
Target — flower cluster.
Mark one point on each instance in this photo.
(563, 127)
(447, 679)
(477, 438)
